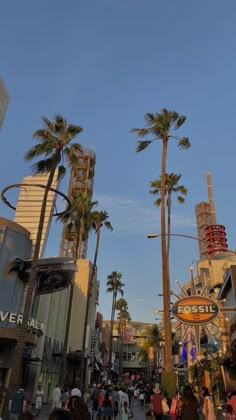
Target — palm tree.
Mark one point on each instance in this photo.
(161, 126)
(154, 339)
(171, 186)
(143, 356)
(97, 220)
(124, 318)
(54, 145)
(77, 218)
(114, 286)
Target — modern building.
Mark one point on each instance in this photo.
(27, 214)
(4, 100)
(29, 204)
(14, 241)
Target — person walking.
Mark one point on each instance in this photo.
(38, 400)
(156, 403)
(208, 405)
(125, 411)
(173, 407)
(17, 403)
(56, 397)
(75, 392)
(188, 405)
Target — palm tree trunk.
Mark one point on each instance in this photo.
(111, 333)
(168, 226)
(69, 312)
(90, 287)
(165, 270)
(18, 353)
(121, 354)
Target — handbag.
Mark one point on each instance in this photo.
(165, 407)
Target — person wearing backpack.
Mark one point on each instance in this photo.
(208, 405)
(156, 403)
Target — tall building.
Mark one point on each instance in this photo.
(212, 237)
(4, 99)
(27, 215)
(29, 204)
(81, 180)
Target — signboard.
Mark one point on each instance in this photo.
(195, 310)
(17, 319)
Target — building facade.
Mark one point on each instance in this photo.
(4, 100)
(14, 242)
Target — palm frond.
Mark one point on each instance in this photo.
(43, 166)
(180, 199)
(142, 145)
(61, 172)
(180, 121)
(40, 149)
(157, 202)
(108, 226)
(184, 143)
(141, 132)
(73, 131)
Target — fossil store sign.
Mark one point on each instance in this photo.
(13, 318)
(195, 310)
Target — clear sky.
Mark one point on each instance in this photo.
(103, 64)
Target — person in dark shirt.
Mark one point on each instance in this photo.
(17, 403)
(188, 405)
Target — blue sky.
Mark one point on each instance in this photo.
(103, 64)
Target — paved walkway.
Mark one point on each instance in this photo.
(139, 414)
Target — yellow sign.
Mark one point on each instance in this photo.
(195, 310)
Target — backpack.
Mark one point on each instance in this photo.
(157, 404)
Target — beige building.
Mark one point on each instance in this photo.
(4, 100)
(29, 207)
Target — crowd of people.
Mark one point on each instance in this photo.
(114, 401)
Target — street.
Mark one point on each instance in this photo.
(139, 414)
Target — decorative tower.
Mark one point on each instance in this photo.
(81, 179)
(212, 237)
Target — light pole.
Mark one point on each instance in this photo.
(181, 235)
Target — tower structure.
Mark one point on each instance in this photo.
(29, 205)
(4, 100)
(81, 180)
(212, 237)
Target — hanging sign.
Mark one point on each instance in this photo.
(195, 310)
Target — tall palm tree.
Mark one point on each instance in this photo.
(98, 220)
(124, 318)
(54, 145)
(114, 286)
(162, 126)
(171, 186)
(77, 218)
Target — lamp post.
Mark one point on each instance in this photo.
(181, 235)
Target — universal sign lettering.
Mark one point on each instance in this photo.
(14, 318)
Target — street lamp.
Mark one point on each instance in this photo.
(181, 235)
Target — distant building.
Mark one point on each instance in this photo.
(4, 100)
